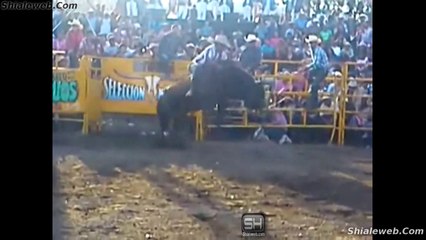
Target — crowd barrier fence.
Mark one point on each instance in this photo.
(128, 86)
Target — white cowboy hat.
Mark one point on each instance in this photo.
(312, 38)
(337, 74)
(362, 15)
(75, 22)
(222, 40)
(204, 39)
(352, 82)
(345, 9)
(250, 38)
(190, 45)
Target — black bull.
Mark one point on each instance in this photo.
(212, 84)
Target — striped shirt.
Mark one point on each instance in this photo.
(209, 54)
(320, 60)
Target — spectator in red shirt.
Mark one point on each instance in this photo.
(275, 41)
(73, 40)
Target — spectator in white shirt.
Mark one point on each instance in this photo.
(213, 7)
(247, 10)
(131, 8)
(201, 7)
(256, 9)
(106, 26)
(183, 8)
(223, 9)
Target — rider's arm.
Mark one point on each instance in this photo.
(320, 60)
(203, 56)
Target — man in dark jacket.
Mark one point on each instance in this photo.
(168, 48)
(251, 57)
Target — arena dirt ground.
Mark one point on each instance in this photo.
(116, 185)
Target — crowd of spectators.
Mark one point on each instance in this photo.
(344, 27)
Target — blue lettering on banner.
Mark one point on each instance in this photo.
(64, 88)
(118, 91)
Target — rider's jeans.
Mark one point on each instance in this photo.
(316, 77)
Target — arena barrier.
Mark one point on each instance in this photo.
(275, 99)
(69, 97)
(131, 86)
(337, 111)
(362, 101)
(113, 86)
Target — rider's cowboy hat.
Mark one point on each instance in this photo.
(221, 39)
(312, 39)
(204, 39)
(190, 45)
(250, 38)
(75, 22)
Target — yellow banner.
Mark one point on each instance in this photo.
(67, 91)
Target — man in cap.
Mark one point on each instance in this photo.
(111, 47)
(212, 53)
(317, 69)
(251, 57)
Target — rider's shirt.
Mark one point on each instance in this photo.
(320, 60)
(210, 54)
